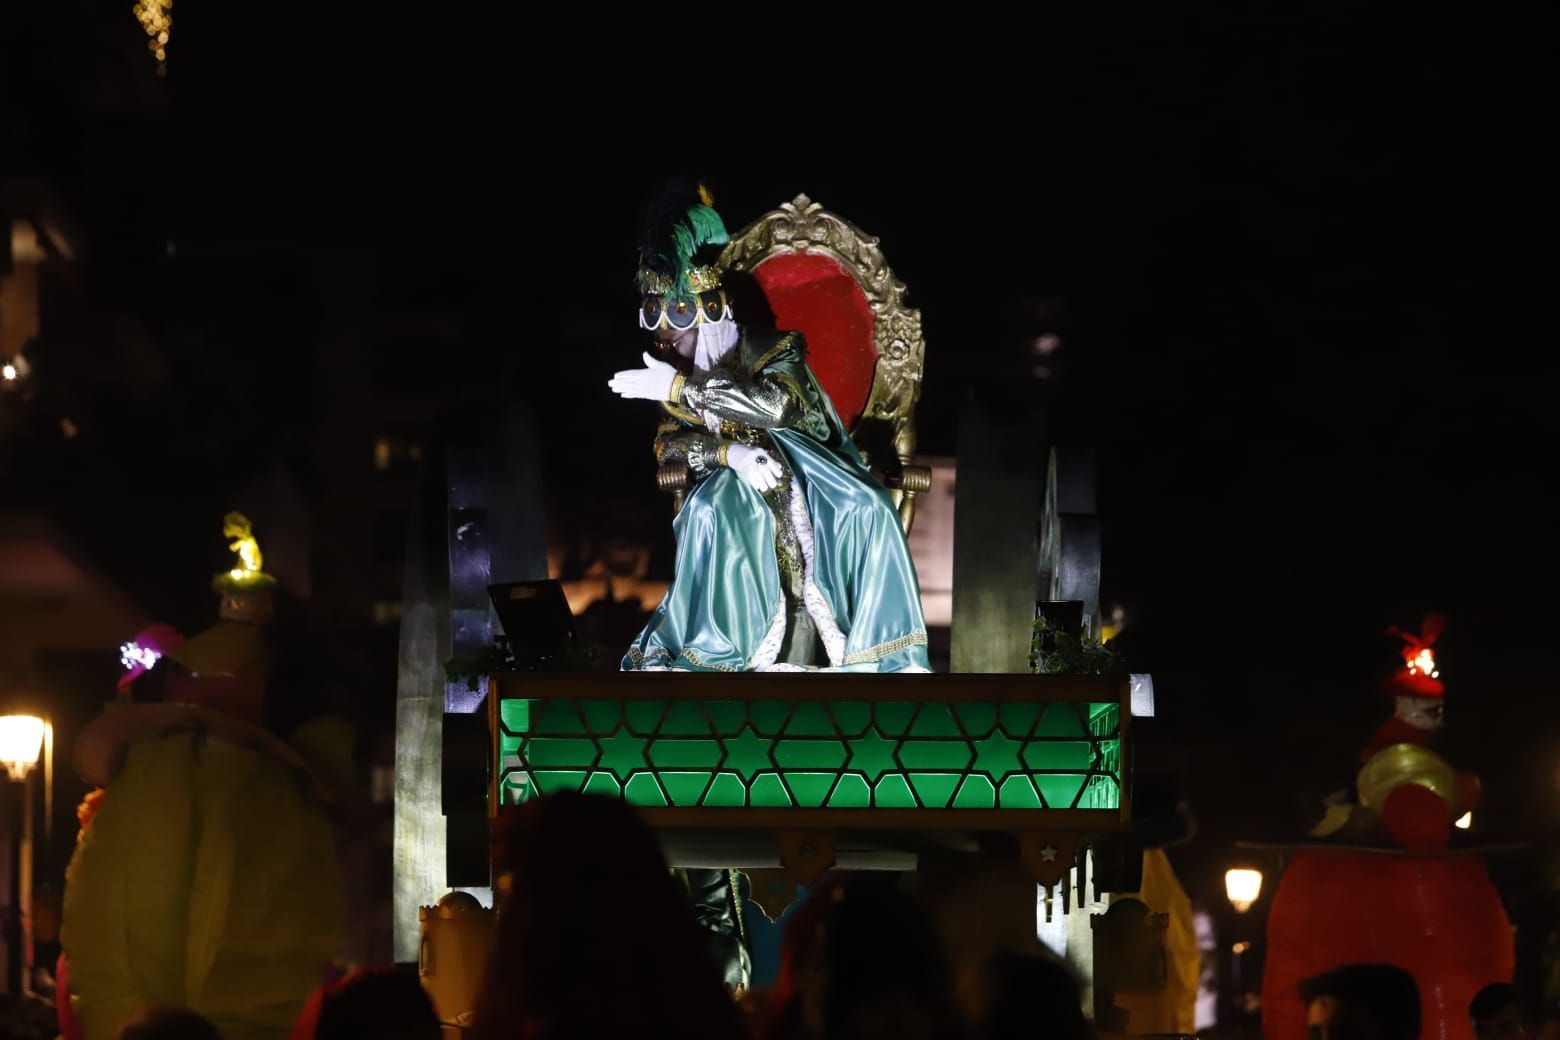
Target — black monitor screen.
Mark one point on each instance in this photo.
(536, 619)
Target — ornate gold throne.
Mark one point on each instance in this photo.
(822, 276)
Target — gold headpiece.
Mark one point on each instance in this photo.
(694, 279)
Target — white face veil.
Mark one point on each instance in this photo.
(715, 340)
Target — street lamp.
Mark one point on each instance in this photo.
(1243, 885)
(23, 740)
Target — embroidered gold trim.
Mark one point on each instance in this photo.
(682, 413)
(876, 653)
(693, 657)
(660, 444)
(736, 902)
(701, 278)
(639, 660)
(793, 388)
(775, 351)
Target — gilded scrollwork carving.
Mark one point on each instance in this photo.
(887, 425)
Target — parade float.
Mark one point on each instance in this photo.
(205, 872)
(749, 757)
(1392, 875)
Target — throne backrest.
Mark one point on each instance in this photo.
(825, 278)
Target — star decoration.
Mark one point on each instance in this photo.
(747, 753)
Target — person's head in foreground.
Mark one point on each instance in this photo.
(1362, 1002)
(595, 937)
(169, 1023)
(1497, 1014)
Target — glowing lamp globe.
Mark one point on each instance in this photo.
(1243, 886)
(21, 742)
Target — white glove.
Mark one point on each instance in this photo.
(756, 466)
(651, 383)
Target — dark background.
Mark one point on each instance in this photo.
(1296, 262)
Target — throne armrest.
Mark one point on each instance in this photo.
(911, 480)
(675, 479)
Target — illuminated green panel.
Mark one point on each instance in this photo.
(552, 781)
(768, 791)
(747, 753)
(726, 792)
(810, 719)
(686, 788)
(872, 754)
(644, 790)
(603, 784)
(893, 792)
(852, 717)
(976, 792)
(934, 789)
(810, 789)
(1018, 792)
(951, 755)
(728, 717)
(666, 753)
(811, 754)
(851, 793)
(1060, 790)
(555, 751)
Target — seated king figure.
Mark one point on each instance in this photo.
(790, 553)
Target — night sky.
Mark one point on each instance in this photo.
(1296, 264)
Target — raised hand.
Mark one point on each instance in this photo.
(651, 383)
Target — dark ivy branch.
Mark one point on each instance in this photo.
(498, 657)
(1053, 651)
(473, 668)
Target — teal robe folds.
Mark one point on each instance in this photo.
(727, 608)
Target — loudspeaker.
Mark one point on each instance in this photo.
(464, 790)
(467, 855)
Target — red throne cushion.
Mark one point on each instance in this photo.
(813, 293)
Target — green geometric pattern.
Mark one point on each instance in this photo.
(814, 754)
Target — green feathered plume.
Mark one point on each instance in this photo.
(681, 231)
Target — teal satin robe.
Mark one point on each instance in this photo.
(863, 595)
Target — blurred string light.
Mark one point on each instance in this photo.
(1464, 822)
(13, 370)
(1424, 663)
(156, 17)
(133, 655)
